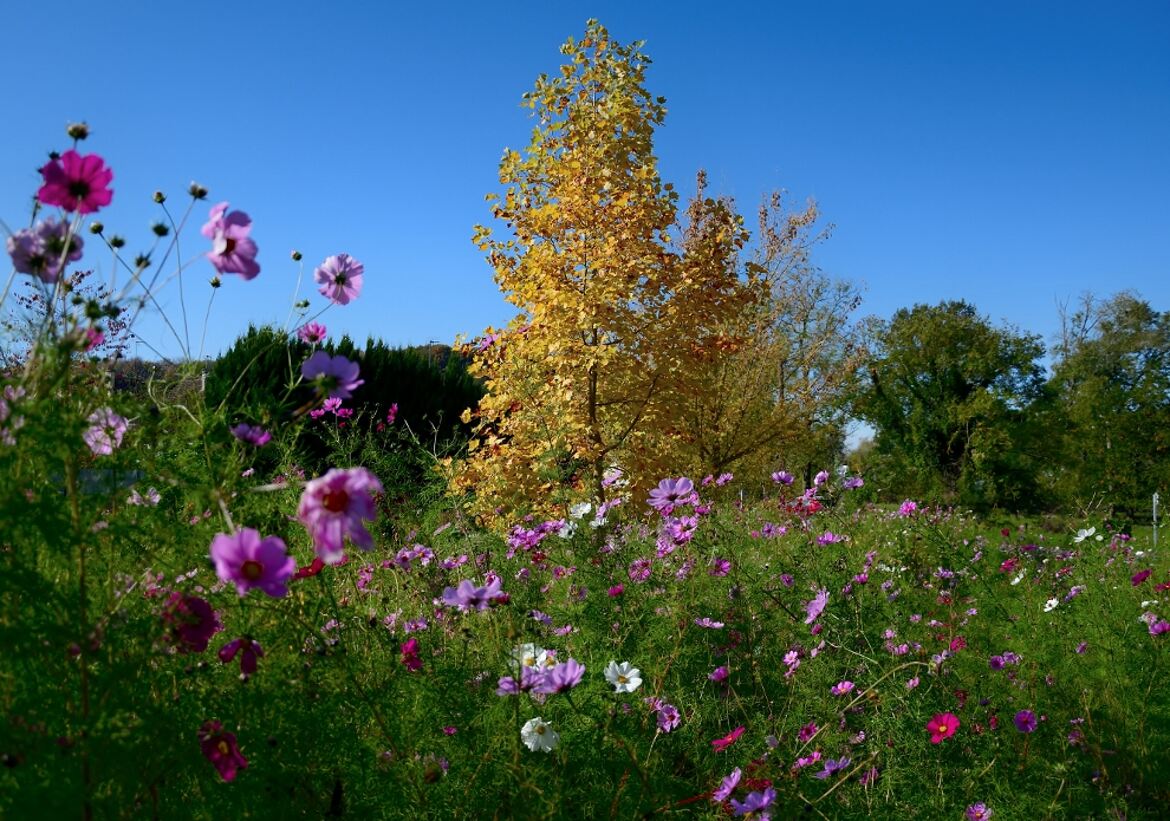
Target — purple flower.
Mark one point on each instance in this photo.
(978, 812)
(530, 679)
(1159, 627)
(1025, 721)
(76, 183)
(820, 478)
(252, 434)
(105, 432)
(708, 623)
(719, 567)
(248, 561)
(756, 802)
(783, 477)
(668, 717)
(312, 333)
(41, 251)
(232, 250)
(340, 278)
(815, 607)
(908, 508)
(829, 537)
(561, 677)
(220, 748)
(469, 597)
(333, 375)
(671, 492)
(249, 652)
(334, 506)
(727, 786)
(832, 767)
(853, 483)
(639, 570)
(841, 688)
(719, 674)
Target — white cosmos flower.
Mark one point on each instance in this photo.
(625, 677)
(579, 510)
(1020, 577)
(1050, 605)
(538, 735)
(1083, 534)
(530, 655)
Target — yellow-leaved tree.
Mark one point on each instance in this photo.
(615, 315)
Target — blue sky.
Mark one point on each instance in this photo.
(1011, 154)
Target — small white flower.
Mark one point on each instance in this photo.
(538, 735)
(624, 677)
(579, 510)
(1050, 605)
(1083, 534)
(530, 655)
(1020, 577)
(567, 531)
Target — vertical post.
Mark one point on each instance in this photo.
(203, 382)
(1155, 520)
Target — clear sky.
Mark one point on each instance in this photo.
(1014, 154)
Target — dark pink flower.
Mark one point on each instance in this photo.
(340, 278)
(942, 726)
(190, 622)
(249, 651)
(335, 506)
(1025, 721)
(721, 744)
(220, 748)
(232, 250)
(410, 656)
(1141, 576)
(76, 183)
(248, 561)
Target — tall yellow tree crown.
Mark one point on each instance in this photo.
(613, 313)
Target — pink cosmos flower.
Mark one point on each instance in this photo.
(727, 786)
(232, 250)
(942, 726)
(41, 251)
(468, 597)
(814, 608)
(312, 333)
(841, 688)
(252, 434)
(671, 493)
(334, 506)
(1025, 721)
(248, 561)
(340, 278)
(76, 183)
(335, 376)
(783, 477)
(721, 744)
(220, 748)
(248, 650)
(410, 655)
(105, 432)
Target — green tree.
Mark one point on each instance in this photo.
(1110, 411)
(946, 393)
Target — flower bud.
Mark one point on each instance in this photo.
(96, 227)
(160, 229)
(197, 191)
(116, 241)
(296, 255)
(160, 197)
(215, 282)
(142, 261)
(77, 131)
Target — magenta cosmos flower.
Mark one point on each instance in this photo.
(249, 651)
(334, 506)
(76, 183)
(41, 251)
(248, 561)
(814, 608)
(232, 250)
(671, 492)
(340, 278)
(105, 431)
(312, 333)
(942, 726)
(335, 376)
(469, 597)
(1025, 721)
(251, 434)
(220, 748)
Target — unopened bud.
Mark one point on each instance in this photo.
(142, 261)
(296, 255)
(197, 191)
(96, 227)
(93, 310)
(77, 131)
(160, 229)
(215, 282)
(160, 197)
(116, 241)
(302, 304)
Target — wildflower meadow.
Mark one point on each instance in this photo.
(220, 603)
